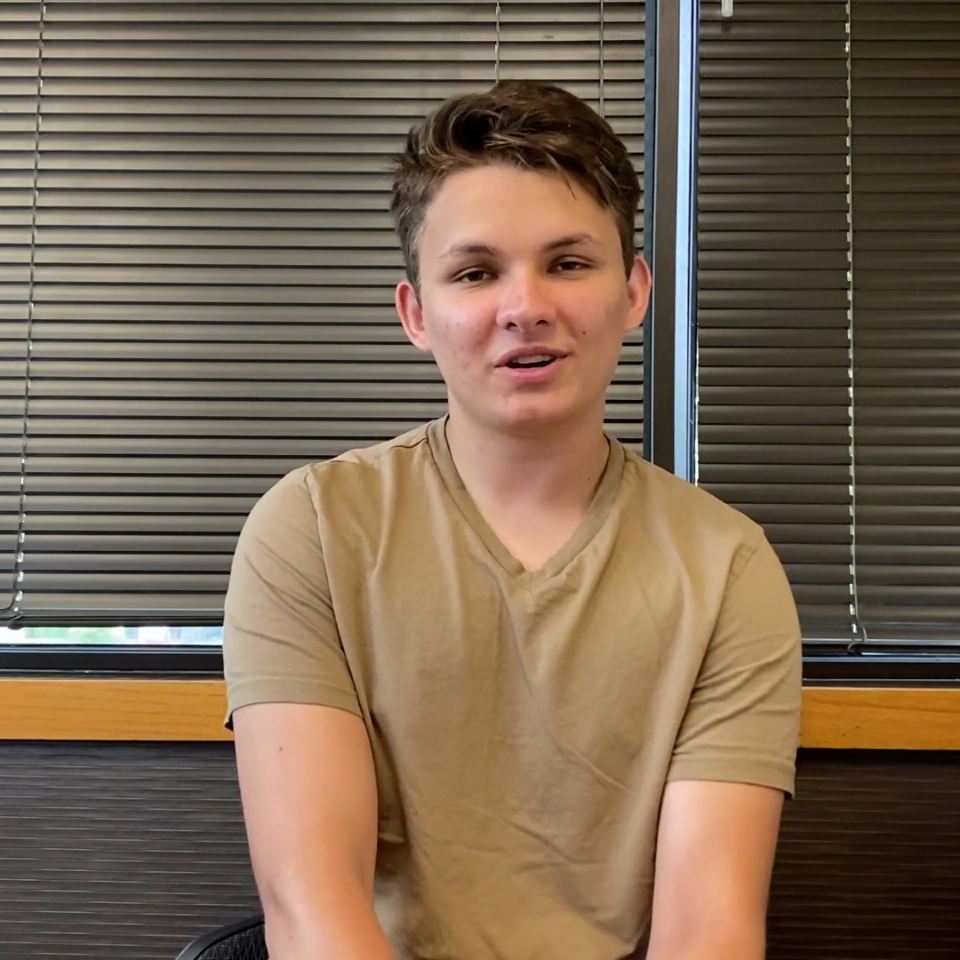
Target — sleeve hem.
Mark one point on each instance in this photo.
(778, 777)
(289, 691)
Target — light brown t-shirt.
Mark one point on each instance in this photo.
(523, 724)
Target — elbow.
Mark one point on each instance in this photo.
(292, 922)
(289, 929)
(729, 940)
(339, 924)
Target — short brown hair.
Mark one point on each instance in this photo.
(533, 126)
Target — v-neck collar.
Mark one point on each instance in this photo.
(597, 511)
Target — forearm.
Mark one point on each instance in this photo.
(340, 925)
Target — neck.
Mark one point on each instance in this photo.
(550, 470)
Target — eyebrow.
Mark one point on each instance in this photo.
(483, 249)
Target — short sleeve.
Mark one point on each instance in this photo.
(280, 639)
(743, 721)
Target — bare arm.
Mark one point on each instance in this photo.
(310, 806)
(715, 851)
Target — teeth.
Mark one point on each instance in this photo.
(539, 358)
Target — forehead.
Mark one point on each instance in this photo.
(507, 207)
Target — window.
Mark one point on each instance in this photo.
(196, 288)
(199, 292)
(827, 308)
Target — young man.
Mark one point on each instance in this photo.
(501, 690)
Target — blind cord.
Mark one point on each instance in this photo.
(859, 631)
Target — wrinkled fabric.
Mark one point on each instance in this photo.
(523, 723)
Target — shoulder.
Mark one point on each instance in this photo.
(351, 482)
(362, 477)
(683, 502)
(378, 458)
(691, 520)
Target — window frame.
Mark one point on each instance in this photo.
(670, 440)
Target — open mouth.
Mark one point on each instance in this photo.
(528, 363)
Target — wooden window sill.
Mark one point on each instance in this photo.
(84, 708)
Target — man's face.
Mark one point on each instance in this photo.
(524, 302)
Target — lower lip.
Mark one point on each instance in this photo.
(530, 375)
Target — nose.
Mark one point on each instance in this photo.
(525, 302)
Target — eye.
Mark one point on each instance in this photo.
(569, 266)
(476, 275)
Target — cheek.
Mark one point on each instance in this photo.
(606, 326)
(460, 333)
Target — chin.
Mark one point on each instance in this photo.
(530, 414)
(537, 416)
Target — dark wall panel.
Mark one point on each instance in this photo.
(116, 852)
(869, 859)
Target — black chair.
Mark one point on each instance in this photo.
(238, 941)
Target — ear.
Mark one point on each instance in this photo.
(639, 284)
(411, 315)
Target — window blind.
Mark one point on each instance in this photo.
(827, 302)
(905, 84)
(772, 287)
(207, 295)
(19, 66)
